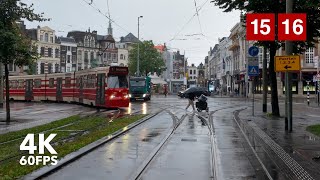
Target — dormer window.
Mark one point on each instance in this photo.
(86, 42)
(92, 43)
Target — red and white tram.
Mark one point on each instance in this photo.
(101, 87)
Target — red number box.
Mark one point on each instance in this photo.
(292, 27)
(261, 27)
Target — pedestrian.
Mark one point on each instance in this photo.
(191, 97)
(165, 91)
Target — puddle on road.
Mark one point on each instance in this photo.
(153, 134)
(149, 136)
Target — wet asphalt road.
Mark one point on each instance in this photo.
(186, 155)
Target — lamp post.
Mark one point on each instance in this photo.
(138, 61)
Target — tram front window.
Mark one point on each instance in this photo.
(117, 81)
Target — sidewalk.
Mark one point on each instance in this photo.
(294, 152)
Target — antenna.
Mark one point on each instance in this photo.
(110, 27)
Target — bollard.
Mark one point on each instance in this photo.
(308, 93)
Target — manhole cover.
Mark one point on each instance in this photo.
(189, 140)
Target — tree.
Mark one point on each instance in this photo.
(15, 47)
(310, 7)
(150, 58)
(94, 63)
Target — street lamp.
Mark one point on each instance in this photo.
(138, 61)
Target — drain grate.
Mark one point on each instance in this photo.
(189, 140)
(295, 167)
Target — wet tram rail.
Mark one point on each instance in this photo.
(110, 116)
(142, 168)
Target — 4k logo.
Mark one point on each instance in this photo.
(28, 144)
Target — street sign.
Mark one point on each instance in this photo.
(253, 61)
(287, 63)
(253, 70)
(253, 51)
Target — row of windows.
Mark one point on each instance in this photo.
(114, 56)
(19, 84)
(89, 42)
(67, 82)
(194, 72)
(86, 81)
(46, 38)
(49, 52)
(68, 59)
(69, 48)
(122, 56)
(16, 84)
(52, 68)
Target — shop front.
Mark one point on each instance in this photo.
(308, 82)
(295, 83)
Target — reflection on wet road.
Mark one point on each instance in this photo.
(119, 158)
(185, 156)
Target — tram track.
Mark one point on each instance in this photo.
(141, 170)
(208, 121)
(145, 164)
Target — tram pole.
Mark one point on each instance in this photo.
(1, 86)
(289, 51)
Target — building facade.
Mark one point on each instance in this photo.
(45, 39)
(68, 54)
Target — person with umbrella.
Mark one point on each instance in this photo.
(191, 97)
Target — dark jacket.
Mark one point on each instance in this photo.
(191, 96)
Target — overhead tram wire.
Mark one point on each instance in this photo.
(197, 12)
(99, 11)
(188, 21)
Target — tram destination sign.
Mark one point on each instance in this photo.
(287, 63)
(119, 69)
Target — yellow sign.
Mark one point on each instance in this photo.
(287, 63)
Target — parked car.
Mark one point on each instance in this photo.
(197, 90)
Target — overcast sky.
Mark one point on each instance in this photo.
(162, 21)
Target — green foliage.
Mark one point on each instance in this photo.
(315, 129)
(97, 127)
(310, 7)
(94, 63)
(15, 47)
(150, 59)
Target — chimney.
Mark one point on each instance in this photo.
(94, 32)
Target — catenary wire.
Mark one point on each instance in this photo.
(99, 11)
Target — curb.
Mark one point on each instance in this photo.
(44, 171)
(288, 165)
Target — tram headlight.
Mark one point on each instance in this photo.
(144, 95)
(112, 96)
(129, 95)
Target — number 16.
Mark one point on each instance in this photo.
(292, 27)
